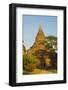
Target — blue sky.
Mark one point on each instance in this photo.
(31, 25)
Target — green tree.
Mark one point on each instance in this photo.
(30, 62)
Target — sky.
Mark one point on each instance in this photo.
(31, 24)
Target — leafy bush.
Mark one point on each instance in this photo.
(30, 62)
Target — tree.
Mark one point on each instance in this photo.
(24, 49)
(30, 62)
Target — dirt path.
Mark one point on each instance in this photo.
(38, 71)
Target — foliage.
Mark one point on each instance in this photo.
(30, 62)
(48, 45)
(51, 42)
(51, 38)
(24, 50)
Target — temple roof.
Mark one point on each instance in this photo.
(40, 35)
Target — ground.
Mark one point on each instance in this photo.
(40, 71)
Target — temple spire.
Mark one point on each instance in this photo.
(40, 27)
(40, 35)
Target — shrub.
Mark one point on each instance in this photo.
(30, 62)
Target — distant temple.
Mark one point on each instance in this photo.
(40, 50)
